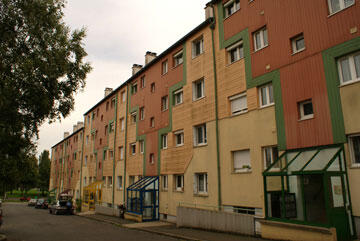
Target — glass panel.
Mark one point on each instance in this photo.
(271, 94)
(265, 37)
(263, 96)
(347, 205)
(357, 65)
(345, 69)
(335, 5)
(295, 188)
(257, 40)
(300, 44)
(301, 160)
(336, 192)
(348, 2)
(322, 159)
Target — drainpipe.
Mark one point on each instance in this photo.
(125, 147)
(212, 27)
(82, 158)
(114, 150)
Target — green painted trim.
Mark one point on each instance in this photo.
(216, 116)
(265, 198)
(172, 89)
(332, 84)
(114, 149)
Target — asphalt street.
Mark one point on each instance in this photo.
(23, 223)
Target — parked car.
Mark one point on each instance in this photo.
(32, 202)
(61, 207)
(25, 199)
(41, 203)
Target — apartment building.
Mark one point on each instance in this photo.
(256, 111)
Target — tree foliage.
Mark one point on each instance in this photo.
(41, 68)
(44, 171)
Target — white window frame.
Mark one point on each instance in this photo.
(352, 151)
(195, 46)
(164, 182)
(177, 59)
(152, 87)
(195, 89)
(342, 6)
(133, 117)
(119, 182)
(121, 153)
(142, 113)
(233, 5)
(123, 96)
(164, 141)
(176, 94)
(301, 110)
(179, 187)
(238, 49)
(164, 106)
(232, 99)
(152, 158)
(152, 122)
(109, 182)
(122, 124)
(142, 81)
(245, 164)
(197, 183)
(351, 60)
(196, 137)
(270, 150)
(142, 146)
(268, 94)
(294, 46)
(176, 134)
(164, 67)
(85, 160)
(262, 43)
(134, 88)
(132, 149)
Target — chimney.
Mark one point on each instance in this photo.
(108, 91)
(80, 125)
(209, 11)
(66, 134)
(74, 128)
(149, 56)
(136, 68)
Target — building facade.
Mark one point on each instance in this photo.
(255, 111)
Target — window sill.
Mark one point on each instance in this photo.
(180, 145)
(164, 148)
(349, 83)
(229, 64)
(334, 13)
(239, 113)
(242, 171)
(163, 74)
(175, 105)
(257, 50)
(202, 97)
(175, 66)
(265, 106)
(165, 110)
(298, 51)
(200, 145)
(355, 166)
(194, 57)
(201, 195)
(307, 118)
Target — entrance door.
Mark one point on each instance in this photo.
(337, 206)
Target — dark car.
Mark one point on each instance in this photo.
(41, 203)
(61, 207)
(25, 199)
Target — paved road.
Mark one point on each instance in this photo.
(22, 223)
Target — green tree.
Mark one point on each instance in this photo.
(41, 69)
(28, 167)
(44, 171)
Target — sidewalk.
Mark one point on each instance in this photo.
(170, 229)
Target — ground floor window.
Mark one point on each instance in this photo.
(354, 145)
(179, 183)
(200, 183)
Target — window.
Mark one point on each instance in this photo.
(238, 104)
(198, 89)
(133, 148)
(112, 105)
(179, 138)
(200, 135)
(134, 88)
(109, 182)
(306, 110)
(123, 97)
(235, 52)
(152, 87)
(231, 7)
(197, 47)
(164, 67)
(111, 127)
(164, 182)
(142, 113)
(266, 95)
(87, 140)
(90, 180)
(142, 82)
(178, 97)
(133, 117)
(119, 182)
(354, 145)
(152, 122)
(241, 161)
(179, 183)
(131, 180)
(178, 58)
(298, 43)
(104, 155)
(121, 152)
(100, 141)
(349, 68)
(338, 5)
(122, 124)
(151, 158)
(86, 158)
(200, 183)
(271, 154)
(111, 154)
(84, 181)
(164, 103)
(164, 141)
(141, 143)
(260, 39)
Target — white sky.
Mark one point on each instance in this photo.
(119, 32)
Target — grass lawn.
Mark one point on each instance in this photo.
(31, 193)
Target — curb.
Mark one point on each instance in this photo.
(2, 237)
(140, 229)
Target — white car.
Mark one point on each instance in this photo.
(32, 202)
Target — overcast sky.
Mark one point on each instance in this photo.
(119, 32)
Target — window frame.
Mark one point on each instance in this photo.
(178, 60)
(180, 93)
(164, 67)
(152, 122)
(142, 82)
(342, 6)
(244, 168)
(294, 40)
(181, 133)
(194, 47)
(134, 88)
(195, 89)
(164, 182)
(152, 87)
(236, 97)
(196, 137)
(262, 39)
(268, 98)
(122, 123)
(141, 146)
(352, 67)
(239, 48)
(119, 183)
(142, 113)
(133, 115)
(133, 149)
(166, 106)
(121, 152)
(352, 152)
(179, 188)
(272, 156)
(197, 184)
(234, 5)
(302, 115)
(152, 158)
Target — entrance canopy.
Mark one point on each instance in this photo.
(143, 198)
